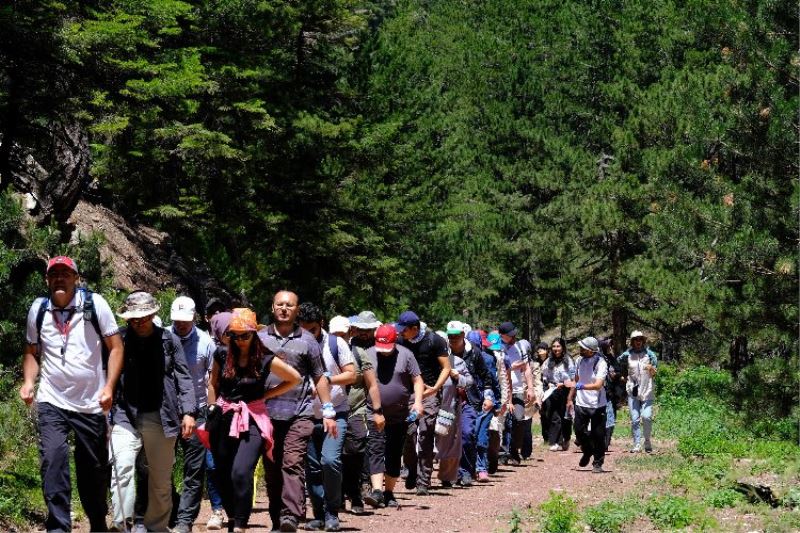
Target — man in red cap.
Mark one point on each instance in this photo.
(398, 377)
(65, 337)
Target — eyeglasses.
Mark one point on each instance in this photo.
(247, 335)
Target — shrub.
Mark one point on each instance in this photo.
(559, 514)
(722, 498)
(670, 512)
(610, 516)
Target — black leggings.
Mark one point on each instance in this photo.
(555, 428)
(236, 461)
(385, 448)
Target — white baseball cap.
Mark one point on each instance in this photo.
(182, 309)
(339, 324)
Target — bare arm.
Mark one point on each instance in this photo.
(115, 364)
(419, 389)
(346, 377)
(213, 383)
(289, 376)
(371, 383)
(30, 370)
(444, 375)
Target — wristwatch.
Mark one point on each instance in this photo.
(378, 410)
(327, 375)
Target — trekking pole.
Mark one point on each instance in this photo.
(116, 476)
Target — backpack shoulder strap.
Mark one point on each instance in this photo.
(40, 313)
(89, 312)
(333, 344)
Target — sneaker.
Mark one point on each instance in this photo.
(332, 523)
(465, 481)
(422, 491)
(411, 482)
(514, 462)
(483, 477)
(597, 469)
(565, 446)
(390, 500)
(636, 449)
(374, 498)
(312, 525)
(585, 458)
(555, 448)
(288, 525)
(648, 447)
(182, 528)
(357, 507)
(216, 520)
(447, 484)
(138, 528)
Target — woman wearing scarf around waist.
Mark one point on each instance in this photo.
(237, 391)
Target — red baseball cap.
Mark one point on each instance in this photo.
(385, 337)
(62, 260)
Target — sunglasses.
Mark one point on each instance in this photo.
(247, 335)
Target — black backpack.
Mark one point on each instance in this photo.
(88, 314)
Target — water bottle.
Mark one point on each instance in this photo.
(412, 416)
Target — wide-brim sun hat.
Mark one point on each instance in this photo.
(637, 335)
(367, 320)
(138, 304)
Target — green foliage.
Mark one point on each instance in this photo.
(559, 514)
(722, 498)
(672, 512)
(611, 516)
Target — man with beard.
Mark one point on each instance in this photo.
(430, 352)
(292, 413)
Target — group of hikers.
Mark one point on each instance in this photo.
(335, 414)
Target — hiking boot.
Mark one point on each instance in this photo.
(483, 477)
(514, 462)
(565, 446)
(447, 484)
(332, 523)
(390, 500)
(585, 458)
(288, 525)
(465, 481)
(411, 482)
(597, 469)
(375, 499)
(312, 525)
(357, 507)
(648, 447)
(423, 491)
(216, 520)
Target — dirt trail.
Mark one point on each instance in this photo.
(481, 508)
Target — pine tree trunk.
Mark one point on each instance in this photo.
(619, 321)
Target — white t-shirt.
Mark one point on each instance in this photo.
(589, 370)
(71, 380)
(339, 397)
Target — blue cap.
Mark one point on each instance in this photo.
(474, 337)
(494, 341)
(407, 319)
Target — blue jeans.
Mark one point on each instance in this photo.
(213, 493)
(482, 434)
(641, 415)
(324, 470)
